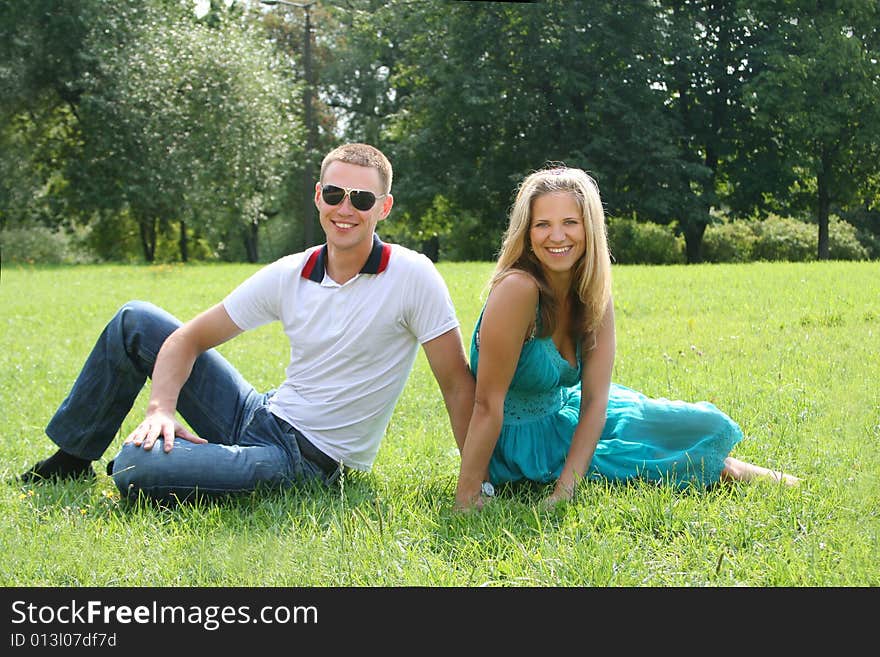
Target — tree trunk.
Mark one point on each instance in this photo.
(184, 245)
(250, 235)
(431, 247)
(148, 238)
(824, 209)
(693, 240)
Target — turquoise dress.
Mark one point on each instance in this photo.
(656, 439)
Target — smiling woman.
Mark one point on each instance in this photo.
(557, 234)
(543, 351)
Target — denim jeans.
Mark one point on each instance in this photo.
(249, 447)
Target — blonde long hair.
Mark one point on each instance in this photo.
(591, 280)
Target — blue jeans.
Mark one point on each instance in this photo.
(249, 447)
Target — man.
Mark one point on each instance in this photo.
(354, 310)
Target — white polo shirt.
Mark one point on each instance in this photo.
(352, 346)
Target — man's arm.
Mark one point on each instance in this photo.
(173, 366)
(446, 357)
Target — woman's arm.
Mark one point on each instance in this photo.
(595, 384)
(507, 318)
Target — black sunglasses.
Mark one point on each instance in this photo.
(361, 199)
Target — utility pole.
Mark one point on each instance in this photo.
(311, 137)
(308, 181)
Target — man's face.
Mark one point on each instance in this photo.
(345, 226)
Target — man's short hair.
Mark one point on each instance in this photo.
(362, 155)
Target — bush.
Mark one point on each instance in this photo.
(866, 221)
(114, 238)
(732, 241)
(41, 245)
(780, 238)
(871, 243)
(444, 231)
(644, 243)
(784, 238)
(843, 241)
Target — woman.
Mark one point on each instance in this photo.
(542, 353)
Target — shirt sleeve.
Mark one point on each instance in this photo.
(257, 301)
(429, 311)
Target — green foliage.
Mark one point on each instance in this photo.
(707, 63)
(43, 245)
(459, 234)
(866, 221)
(472, 137)
(186, 121)
(784, 238)
(156, 117)
(145, 110)
(816, 102)
(779, 238)
(732, 241)
(34, 145)
(113, 236)
(871, 242)
(644, 243)
(844, 243)
(675, 107)
(42, 51)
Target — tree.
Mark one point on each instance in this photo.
(185, 121)
(288, 27)
(707, 51)
(168, 118)
(473, 96)
(817, 100)
(42, 62)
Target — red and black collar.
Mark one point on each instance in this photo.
(316, 264)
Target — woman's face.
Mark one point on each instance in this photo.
(557, 231)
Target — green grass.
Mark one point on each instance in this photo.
(789, 350)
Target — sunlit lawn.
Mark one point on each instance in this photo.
(789, 350)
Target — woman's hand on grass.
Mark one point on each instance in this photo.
(561, 493)
(468, 496)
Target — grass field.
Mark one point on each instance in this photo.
(788, 350)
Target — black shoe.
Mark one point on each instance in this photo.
(40, 472)
(110, 467)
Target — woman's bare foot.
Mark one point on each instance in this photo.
(734, 469)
